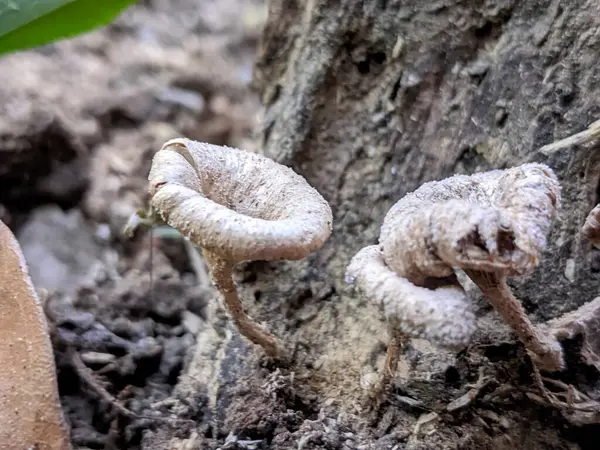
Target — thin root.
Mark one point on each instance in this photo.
(86, 375)
(546, 351)
(571, 395)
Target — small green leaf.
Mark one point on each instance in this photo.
(30, 23)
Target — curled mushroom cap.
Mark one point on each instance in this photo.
(237, 204)
(490, 221)
(440, 315)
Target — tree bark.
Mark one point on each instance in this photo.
(370, 99)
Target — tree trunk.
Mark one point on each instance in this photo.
(368, 100)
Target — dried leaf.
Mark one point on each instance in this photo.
(30, 412)
(237, 204)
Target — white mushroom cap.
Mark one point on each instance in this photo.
(237, 204)
(442, 315)
(491, 221)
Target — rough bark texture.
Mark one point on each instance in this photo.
(368, 100)
(475, 86)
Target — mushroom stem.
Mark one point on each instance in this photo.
(222, 274)
(395, 343)
(547, 352)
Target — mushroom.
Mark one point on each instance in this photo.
(237, 206)
(591, 226)
(492, 225)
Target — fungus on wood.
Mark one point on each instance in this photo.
(490, 224)
(237, 206)
(438, 311)
(30, 411)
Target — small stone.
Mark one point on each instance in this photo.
(477, 69)
(147, 348)
(191, 322)
(410, 79)
(97, 358)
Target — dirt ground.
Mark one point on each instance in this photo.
(81, 121)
